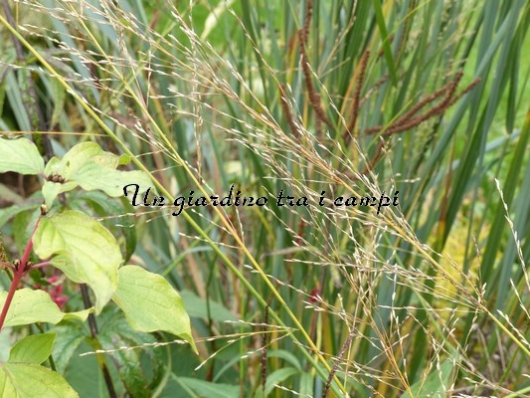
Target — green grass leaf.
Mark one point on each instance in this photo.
(435, 385)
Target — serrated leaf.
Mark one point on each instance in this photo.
(83, 249)
(33, 349)
(29, 380)
(20, 156)
(151, 304)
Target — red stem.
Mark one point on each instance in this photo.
(17, 276)
(40, 265)
(7, 265)
(18, 272)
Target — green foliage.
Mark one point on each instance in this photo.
(33, 349)
(87, 253)
(20, 156)
(350, 97)
(150, 303)
(31, 306)
(27, 380)
(83, 249)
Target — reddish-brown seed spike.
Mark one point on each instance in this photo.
(288, 116)
(357, 97)
(314, 97)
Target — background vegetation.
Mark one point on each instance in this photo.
(429, 98)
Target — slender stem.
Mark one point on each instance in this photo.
(19, 270)
(41, 265)
(27, 251)
(17, 276)
(7, 265)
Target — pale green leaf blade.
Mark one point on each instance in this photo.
(20, 156)
(83, 249)
(209, 389)
(30, 306)
(50, 190)
(29, 380)
(277, 377)
(33, 349)
(150, 303)
(92, 176)
(79, 155)
(79, 315)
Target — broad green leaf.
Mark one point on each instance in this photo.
(198, 307)
(139, 369)
(34, 348)
(50, 190)
(83, 249)
(30, 306)
(209, 389)
(20, 156)
(76, 157)
(150, 303)
(79, 315)
(69, 337)
(435, 386)
(30, 380)
(92, 176)
(90, 167)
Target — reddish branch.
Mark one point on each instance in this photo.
(357, 97)
(409, 120)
